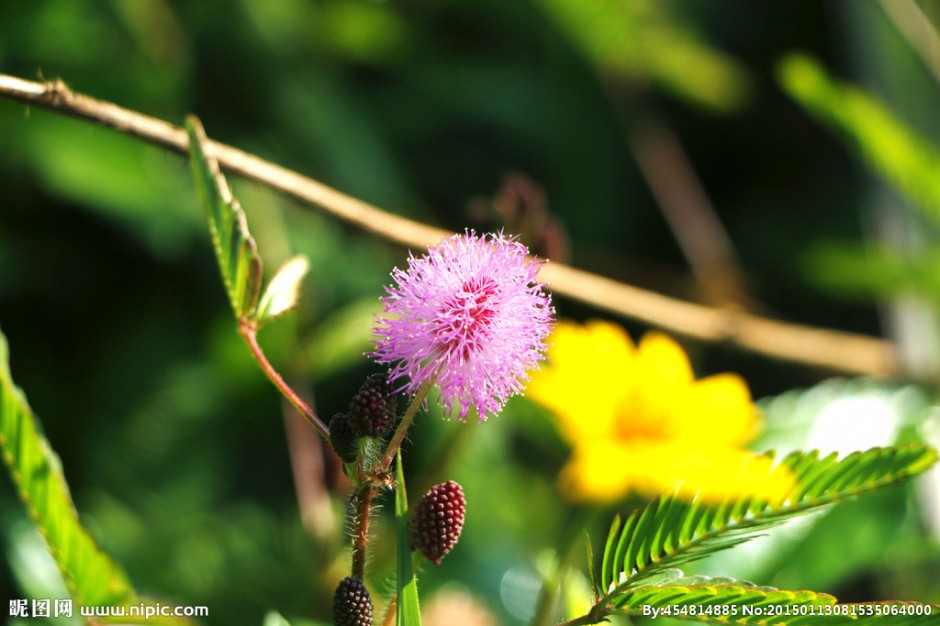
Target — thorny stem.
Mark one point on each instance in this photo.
(361, 535)
(403, 427)
(250, 333)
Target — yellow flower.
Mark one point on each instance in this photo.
(639, 422)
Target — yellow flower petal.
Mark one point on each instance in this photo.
(718, 410)
(715, 475)
(598, 472)
(607, 471)
(639, 421)
(662, 362)
(585, 373)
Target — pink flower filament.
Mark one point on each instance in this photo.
(469, 315)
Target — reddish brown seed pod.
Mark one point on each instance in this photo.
(438, 520)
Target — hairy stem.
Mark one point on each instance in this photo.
(250, 333)
(370, 484)
(361, 534)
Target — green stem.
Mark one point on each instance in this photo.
(395, 443)
(250, 333)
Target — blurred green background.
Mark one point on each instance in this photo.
(173, 442)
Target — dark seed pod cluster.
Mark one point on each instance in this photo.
(343, 439)
(371, 413)
(372, 409)
(352, 605)
(438, 520)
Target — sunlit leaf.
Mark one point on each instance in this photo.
(595, 588)
(90, 575)
(670, 531)
(607, 570)
(281, 294)
(235, 249)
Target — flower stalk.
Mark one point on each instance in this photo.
(399, 436)
(250, 333)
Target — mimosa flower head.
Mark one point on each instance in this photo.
(639, 421)
(470, 316)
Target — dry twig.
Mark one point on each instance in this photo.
(819, 347)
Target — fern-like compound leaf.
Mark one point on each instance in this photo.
(670, 531)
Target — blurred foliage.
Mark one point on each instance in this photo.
(646, 41)
(892, 149)
(171, 439)
(896, 153)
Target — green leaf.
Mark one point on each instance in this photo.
(889, 147)
(670, 531)
(595, 588)
(92, 578)
(409, 613)
(235, 249)
(608, 575)
(282, 292)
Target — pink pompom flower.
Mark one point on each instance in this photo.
(470, 316)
